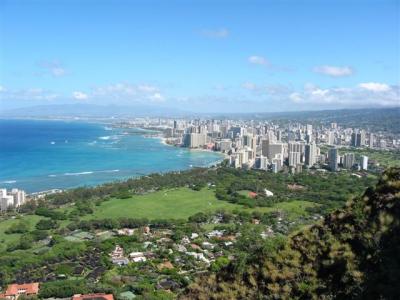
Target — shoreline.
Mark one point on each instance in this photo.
(46, 185)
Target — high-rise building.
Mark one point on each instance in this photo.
(18, 196)
(371, 140)
(13, 199)
(333, 159)
(353, 142)
(263, 163)
(330, 138)
(364, 162)
(237, 131)
(309, 129)
(310, 154)
(361, 139)
(309, 138)
(224, 145)
(279, 135)
(348, 160)
(270, 149)
(295, 153)
(358, 139)
(194, 140)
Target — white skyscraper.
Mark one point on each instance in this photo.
(371, 140)
(295, 152)
(331, 138)
(309, 129)
(263, 163)
(18, 196)
(364, 162)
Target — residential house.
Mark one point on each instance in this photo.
(93, 297)
(15, 290)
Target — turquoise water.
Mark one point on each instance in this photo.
(40, 155)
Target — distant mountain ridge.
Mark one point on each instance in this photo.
(92, 110)
(378, 119)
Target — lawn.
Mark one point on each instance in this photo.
(167, 204)
(180, 204)
(5, 239)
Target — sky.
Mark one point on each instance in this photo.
(201, 56)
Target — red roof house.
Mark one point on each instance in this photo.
(252, 194)
(15, 290)
(93, 297)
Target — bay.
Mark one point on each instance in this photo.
(37, 155)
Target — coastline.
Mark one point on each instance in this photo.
(163, 140)
(90, 176)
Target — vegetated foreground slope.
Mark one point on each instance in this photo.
(352, 254)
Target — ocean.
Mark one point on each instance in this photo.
(37, 155)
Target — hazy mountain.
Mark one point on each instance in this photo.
(91, 110)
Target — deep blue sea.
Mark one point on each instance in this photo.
(40, 155)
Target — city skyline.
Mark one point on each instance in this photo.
(201, 57)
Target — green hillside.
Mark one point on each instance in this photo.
(352, 254)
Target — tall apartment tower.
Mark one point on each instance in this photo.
(295, 152)
(331, 138)
(371, 140)
(358, 139)
(364, 162)
(348, 160)
(333, 159)
(310, 154)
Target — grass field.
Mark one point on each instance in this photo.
(167, 204)
(5, 239)
(180, 204)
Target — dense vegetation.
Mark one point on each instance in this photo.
(59, 240)
(352, 254)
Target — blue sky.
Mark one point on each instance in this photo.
(230, 56)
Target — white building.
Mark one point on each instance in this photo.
(330, 138)
(364, 162)
(19, 197)
(295, 151)
(13, 199)
(263, 163)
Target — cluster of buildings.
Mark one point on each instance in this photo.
(15, 291)
(11, 199)
(269, 146)
(118, 257)
(347, 161)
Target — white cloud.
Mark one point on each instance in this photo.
(363, 95)
(126, 93)
(157, 97)
(79, 95)
(258, 60)
(2, 88)
(296, 97)
(334, 71)
(249, 86)
(31, 94)
(375, 86)
(147, 88)
(220, 33)
(53, 68)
